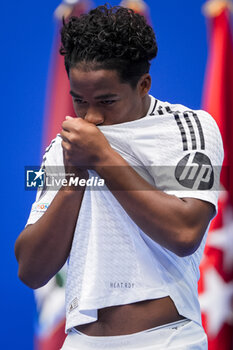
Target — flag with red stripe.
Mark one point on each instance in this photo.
(216, 282)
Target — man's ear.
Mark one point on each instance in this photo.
(144, 84)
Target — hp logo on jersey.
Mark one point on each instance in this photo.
(195, 172)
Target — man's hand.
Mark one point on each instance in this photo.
(84, 145)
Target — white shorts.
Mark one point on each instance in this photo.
(180, 335)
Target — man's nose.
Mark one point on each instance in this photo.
(94, 117)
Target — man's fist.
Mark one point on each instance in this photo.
(83, 143)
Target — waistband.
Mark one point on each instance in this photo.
(172, 325)
(176, 333)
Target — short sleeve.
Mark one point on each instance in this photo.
(52, 163)
(190, 166)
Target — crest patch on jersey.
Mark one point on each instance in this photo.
(195, 171)
(40, 207)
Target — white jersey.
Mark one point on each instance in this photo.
(112, 261)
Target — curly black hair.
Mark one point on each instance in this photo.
(114, 38)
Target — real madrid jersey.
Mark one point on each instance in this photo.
(112, 261)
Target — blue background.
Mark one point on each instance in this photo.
(27, 30)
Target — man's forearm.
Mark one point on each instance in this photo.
(42, 248)
(176, 224)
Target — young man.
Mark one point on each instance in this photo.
(134, 247)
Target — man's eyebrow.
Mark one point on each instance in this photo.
(100, 97)
(74, 94)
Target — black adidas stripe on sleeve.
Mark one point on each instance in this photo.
(190, 117)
